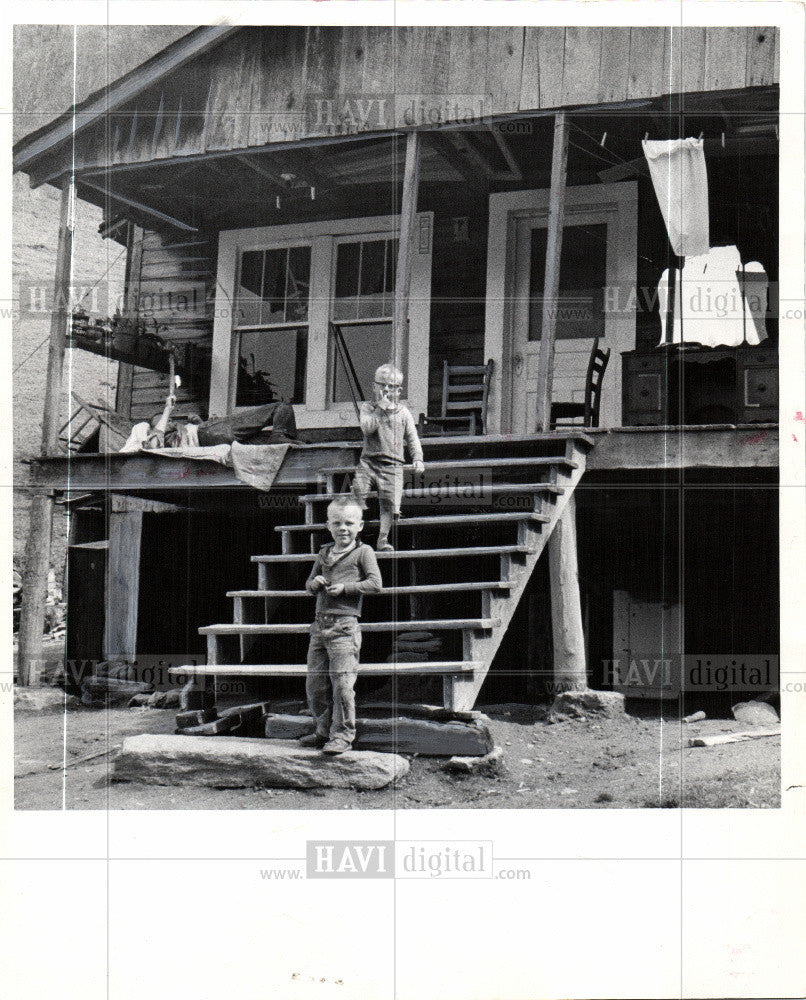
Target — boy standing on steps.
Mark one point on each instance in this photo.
(342, 573)
(387, 426)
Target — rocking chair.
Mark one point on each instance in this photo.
(465, 391)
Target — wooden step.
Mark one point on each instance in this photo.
(294, 628)
(473, 463)
(425, 588)
(439, 667)
(434, 521)
(446, 492)
(477, 550)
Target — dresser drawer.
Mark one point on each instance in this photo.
(761, 387)
(645, 392)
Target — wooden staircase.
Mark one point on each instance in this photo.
(458, 572)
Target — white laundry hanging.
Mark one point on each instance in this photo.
(721, 302)
(677, 169)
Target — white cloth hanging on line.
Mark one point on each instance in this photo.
(677, 169)
(721, 302)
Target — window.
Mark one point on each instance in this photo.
(363, 306)
(580, 306)
(271, 318)
(284, 292)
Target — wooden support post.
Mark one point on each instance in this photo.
(551, 285)
(37, 548)
(570, 672)
(405, 253)
(122, 584)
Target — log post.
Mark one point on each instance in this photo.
(405, 252)
(37, 547)
(551, 284)
(570, 672)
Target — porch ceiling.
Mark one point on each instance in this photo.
(317, 179)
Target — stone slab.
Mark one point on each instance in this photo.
(400, 735)
(235, 762)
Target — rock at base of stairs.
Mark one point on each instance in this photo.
(414, 710)
(755, 713)
(287, 727)
(248, 720)
(213, 728)
(420, 736)
(233, 762)
(582, 704)
(100, 691)
(196, 717)
(490, 764)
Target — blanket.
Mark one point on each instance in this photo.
(256, 465)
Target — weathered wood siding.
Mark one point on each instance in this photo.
(173, 294)
(266, 85)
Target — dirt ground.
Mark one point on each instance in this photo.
(596, 764)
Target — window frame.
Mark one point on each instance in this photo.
(318, 410)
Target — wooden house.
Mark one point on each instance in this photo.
(426, 193)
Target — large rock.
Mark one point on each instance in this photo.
(584, 704)
(420, 736)
(234, 762)
(43, 699)
(755, 713)
(100, 691)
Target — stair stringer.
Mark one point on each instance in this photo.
(460, 693)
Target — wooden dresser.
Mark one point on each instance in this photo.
(700, 385)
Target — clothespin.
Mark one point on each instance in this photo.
(313, 193)
(723, 140)
(604, 136)
(277, 202)
(646, 136)
(701, 135)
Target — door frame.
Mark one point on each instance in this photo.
(506, 209)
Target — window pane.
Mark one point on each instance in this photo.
(274, 286)
(249, 292)
(345, 304)
(271, 366)
(274, 282)
(365, 279)
(369, 345)
(298, 284)
(583, 270)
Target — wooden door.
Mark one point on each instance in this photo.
(597, 297)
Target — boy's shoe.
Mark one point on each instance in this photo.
(312, 740)
(384, 546)
(337, 746)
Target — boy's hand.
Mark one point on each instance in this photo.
(419, 467)
(318, 582)
(334, 589)
(367, 408)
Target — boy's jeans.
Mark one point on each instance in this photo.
(332, 670)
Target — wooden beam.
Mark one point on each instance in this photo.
(122, 583)
(570, 672)
(449, 153)
(37, 547)
(551, 285)
(147, 210)
(516, 173)
(408, 220)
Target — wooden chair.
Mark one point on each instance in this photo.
(567, 414)
(465, 392)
